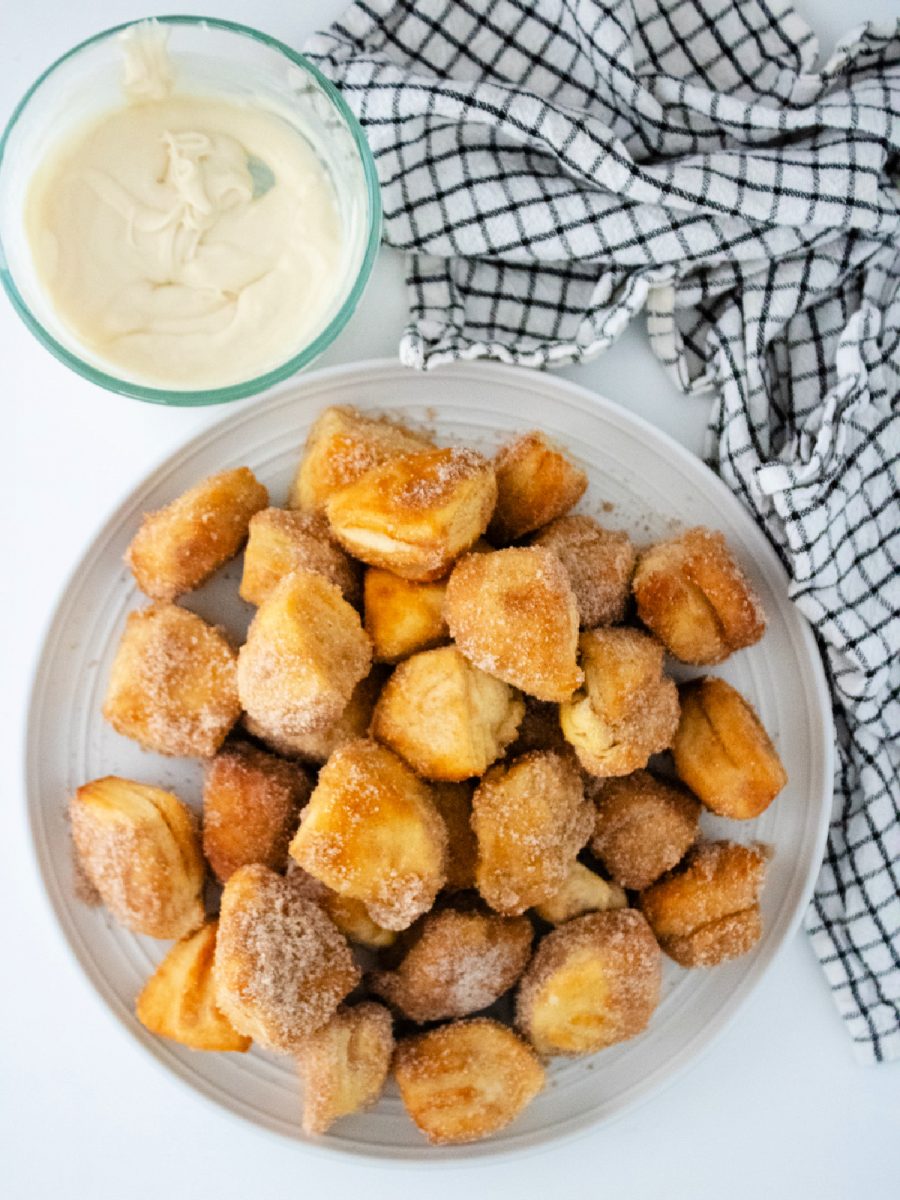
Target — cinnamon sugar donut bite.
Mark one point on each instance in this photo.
(530, 819)
(693, 595)
(599, 563)
(402, 617)
(371, 831)
(173, 683)
(593, 982)
(627, 709)
(281, 968)
(467, 1080)
(180, 546)
(305, 653)
(251, 807)
(644, 826)
(344, 1064)
(139, 848)
(178, 1001)
(535, 483)
(445, 717)
(707, 911)
(416, 515)
(513, 614)
(317, 746)
(282, 540)
(723, 753)
(342, 445)
(460, 963)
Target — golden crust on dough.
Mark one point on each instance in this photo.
(627, 709)
(513, 614)
(444, 716)
(139, 847)
(317, 746)
(599, 563)
(283, 540)
(180, 546)
(178, 1000)
(342, 445)
(692, 593)
(723, 753)
(305, 653)
(402, 617)
(281, 967)
(530, 818)
(644, 827)
(251, 807)
(467, 1080)
(173, 683)
(583, 891)
(592, 982)
(416, 515)
(707, 910)
(460, 963)
(344, 1065)
(536, 482)
(371, 831)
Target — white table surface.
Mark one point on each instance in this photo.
(778, 1107)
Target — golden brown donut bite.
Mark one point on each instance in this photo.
(305, 653)
(644, 826)
(371, 831)
(402, 617)
(139, 848)
(513, 614)
(344, 1064)
(535, 483)
(467, 1080)
(281, 968)
(599, 563)
(342, 445)
(707, 911)
(251, 807)
(416, 515)
(693, 595)
(592, 982)
(178, 1000)
(530, 818)
(723, 753)
(454, 802)
(445, 717)
(180, 546)
(583, 891)
(460, 963)
(317, 746)
(173, 683)
(627, 709)
(283, 540)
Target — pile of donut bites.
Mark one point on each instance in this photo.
(426, 773)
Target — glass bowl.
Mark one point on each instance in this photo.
(209, 56)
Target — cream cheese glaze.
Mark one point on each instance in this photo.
(188, 241)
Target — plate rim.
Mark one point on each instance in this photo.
(473, 1154)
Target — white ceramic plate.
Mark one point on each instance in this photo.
(640, 480)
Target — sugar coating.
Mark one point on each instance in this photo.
(284, 540)
(617, 952)
(461, 962)
(344, 1065)
(281, 966)
(599, 563)
(644, 826)
(536, 482)
(514, 615)
(173, 683)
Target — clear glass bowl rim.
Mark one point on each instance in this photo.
(259, 383)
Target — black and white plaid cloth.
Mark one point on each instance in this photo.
(553, 167)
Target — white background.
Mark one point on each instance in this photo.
(778, 1107)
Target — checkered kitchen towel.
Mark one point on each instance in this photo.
(553, 167)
